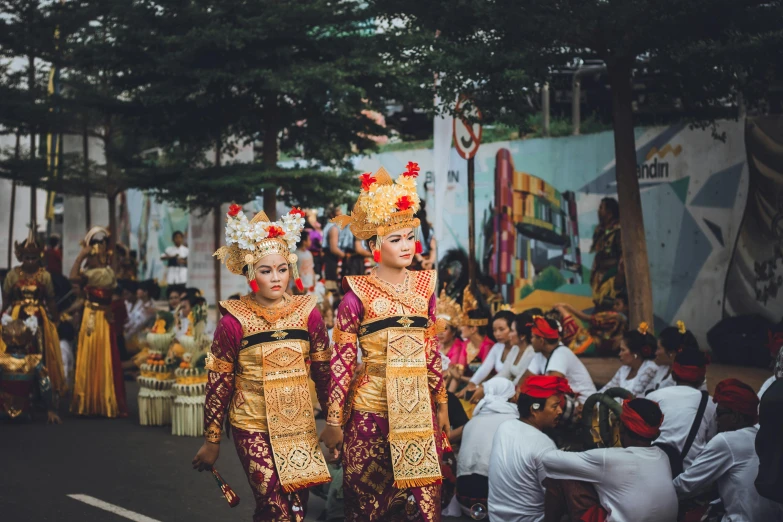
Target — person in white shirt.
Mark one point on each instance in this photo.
(129, 294)
(681, 403)
(516, 470)
(730, 458)
(557, 359)
(497, 406)
(637, 350)
(632, 483)
(505, 358)
(141, 316)
(671, 341)
(177, 258)
(175, 294)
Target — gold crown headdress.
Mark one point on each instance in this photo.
(18, 334)
(469, 304)
(249, 241)
(385, 206)
(28, 247)
(448, 310)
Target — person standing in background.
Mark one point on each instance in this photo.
(338, 247)
(607, 278)
(54, 255)
(177, 258)
(304, 262)
(315, 229)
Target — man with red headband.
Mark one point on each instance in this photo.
(632, 483)
(558, 360)
(730, 458)
(516, 470)
(689, 412)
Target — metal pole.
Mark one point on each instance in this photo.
(576, 116)
(576, 90)
(17, 153)
(545, 107)
(741, 110)
(471, 222)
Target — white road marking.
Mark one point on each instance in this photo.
(117, 510)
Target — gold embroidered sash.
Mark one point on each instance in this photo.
(289, 411)
(411, 434)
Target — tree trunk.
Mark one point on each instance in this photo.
(216, 214)
(269, 154)
(637, 268)
(17, 155)
(31, 89)
(86, 158)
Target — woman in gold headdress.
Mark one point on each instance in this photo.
(28, 291)
(99, 388)
(264, 347)
(384, 422)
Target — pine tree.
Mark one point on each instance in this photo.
(295, 77)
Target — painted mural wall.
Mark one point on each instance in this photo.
(694, 190)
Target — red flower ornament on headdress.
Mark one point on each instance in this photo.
(274, 232)
(411, 170)
(404, 203)
(234, 209)
(367, 180)
(297, 212)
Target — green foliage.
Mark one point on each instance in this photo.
(526, 291)
(533, 126)
(549, 279)
(167, 318)
(698, 54)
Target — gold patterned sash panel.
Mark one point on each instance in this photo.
(411, 433)
(272, 391)
(292, 431)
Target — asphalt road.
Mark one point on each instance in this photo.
(144, 470)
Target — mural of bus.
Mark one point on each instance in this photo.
(534, 231)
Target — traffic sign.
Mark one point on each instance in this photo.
(467, 135)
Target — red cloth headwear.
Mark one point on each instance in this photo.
(634, 422)
(541, 328)
(694, 374)
(544, 386)
(737, 396)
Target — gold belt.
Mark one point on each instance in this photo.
(375, 369)
(250, 386)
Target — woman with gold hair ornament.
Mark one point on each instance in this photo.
(28, 291)
(99, 388)
(388, 423)
(265, 347)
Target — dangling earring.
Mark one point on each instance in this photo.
(376, 253)
(251, 278)
(419, 249)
